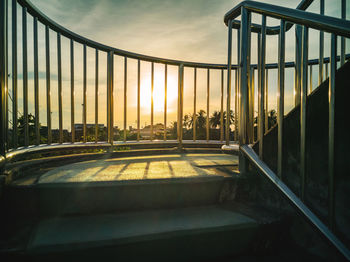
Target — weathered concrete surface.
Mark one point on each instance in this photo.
(317, 178)
(176, 234)
(125, 184)
(133, 226)
(138, 168)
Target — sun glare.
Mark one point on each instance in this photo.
(158, 93)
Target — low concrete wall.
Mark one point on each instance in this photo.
(317, 151)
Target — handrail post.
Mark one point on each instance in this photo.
(165, 99)
(25, 76)
(36, 80)
(298, 59)
(261, 76)
(228, 93)
(237, 87)
(303, 105)
(208, 99)
(96, 96)
(244, 63)
(280, 95)
(331, 124)
(59, 83)
(180, 105)
(14, 75)
(194, 118)
(222, 107)
(251, 104)
(152, 100)
(321, 49)
(125, 94)
(84, 94)
(72, 89)
(3, 75)
(110, 129)
(342, 39)
(48, 85)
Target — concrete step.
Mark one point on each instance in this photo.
(153, 235)
(110, 185)
(104, 197)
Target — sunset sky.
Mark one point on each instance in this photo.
(181, 29)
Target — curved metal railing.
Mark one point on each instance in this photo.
(243, 93)
(10, 140)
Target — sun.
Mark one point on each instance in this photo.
(158, 93)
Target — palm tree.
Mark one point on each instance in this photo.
(271, 118)
(215, 119)
(201, 119)
(187, 121)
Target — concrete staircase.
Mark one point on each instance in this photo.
(193, 216)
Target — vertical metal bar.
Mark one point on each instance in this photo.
(59, 79)
(138, 98)
(14, 75)
(331, 120)
(208, 97)
(298, 58)
(84, 94)
(326, 65)
(180, 104)
(165, 99)
(125, 93)
(259, 76)
(96, 95)
(36, 80)
(152, 104)
(6, 78)
(310, 83)
(342, 39)
(303, 105)
(25, 76)
(228, 93)
(222, 107)
(280, 100)
(3, 76)
(321, 49)
(251, 104)
(48, 88)
(237, 91)
(261, 87)
(236, 104)
(110, 70)
(194, 118)
(244, 77)
(266, 100)
(72, 93)
(244, 63)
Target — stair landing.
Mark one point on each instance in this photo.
(140, 168)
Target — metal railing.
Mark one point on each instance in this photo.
(111, 53)
(243, 92)
(50, 26)
(303, 21)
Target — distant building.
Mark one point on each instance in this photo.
(78, 127)
(158, 129)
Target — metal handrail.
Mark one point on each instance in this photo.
(301, 207)
(303, 21)
(28, 7)
(35, 12)
(328, 24)
(270, 30)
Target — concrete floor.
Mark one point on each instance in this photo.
(140, 167)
